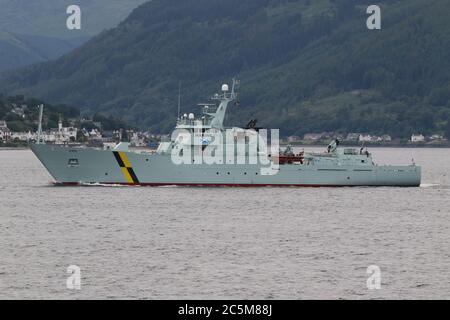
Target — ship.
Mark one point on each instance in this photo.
(203, 152)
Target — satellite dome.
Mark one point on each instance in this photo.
(225, 88)
(191, 116)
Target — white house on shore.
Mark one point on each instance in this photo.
(417, 138)
(370, 138)
(437, 137)
(293, 139)
(23, 136)
(138, 139)
(5, 133)
(62, 135)
(352, 136)
(313, 136)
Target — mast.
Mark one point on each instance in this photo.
(41, 112)
(225, 98)
(179, 99)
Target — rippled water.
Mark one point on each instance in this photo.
(211, 243)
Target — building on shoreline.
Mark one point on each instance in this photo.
(5, 133)
(350, 137)
(373, 138)
(415, 138)
(95, 136)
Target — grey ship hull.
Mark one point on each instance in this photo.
(78, 166)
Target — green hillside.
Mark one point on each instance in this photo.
(35, 31)
(304, 65)
(14, 52)
(48, 17)
(20, 50)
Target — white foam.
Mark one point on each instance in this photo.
(429, 185)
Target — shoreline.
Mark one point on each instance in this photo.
(317, 145)
(405, 146)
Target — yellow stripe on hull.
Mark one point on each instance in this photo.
(127, 175)
(124, 158)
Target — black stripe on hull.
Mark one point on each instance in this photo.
(133, 175)
(119, 160)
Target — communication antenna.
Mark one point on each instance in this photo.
(41, 112)
(179, 98)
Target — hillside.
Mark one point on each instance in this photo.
(20, 50)
(48, 17)
(304, 65)
(35, 31)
